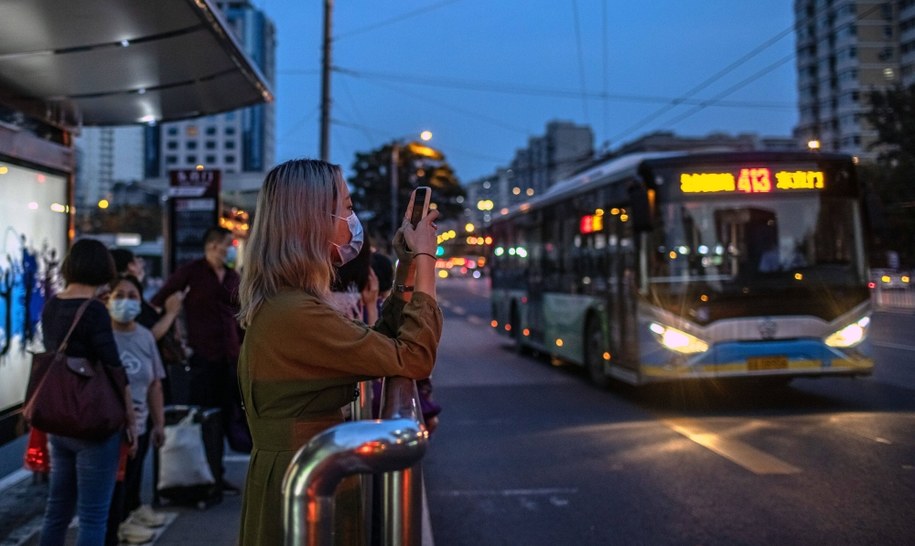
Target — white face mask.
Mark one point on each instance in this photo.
(350, 250)
(123, 310)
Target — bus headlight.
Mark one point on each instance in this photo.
(850, 335)
(677, 340)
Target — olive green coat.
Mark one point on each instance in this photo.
(299, 365)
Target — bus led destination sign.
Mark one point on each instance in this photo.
(751, 180)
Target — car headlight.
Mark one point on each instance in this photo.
(850, 335)
(677, 340)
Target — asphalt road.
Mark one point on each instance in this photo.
(527, 453)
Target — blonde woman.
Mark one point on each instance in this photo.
(301, 358)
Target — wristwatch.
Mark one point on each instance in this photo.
(401, 288)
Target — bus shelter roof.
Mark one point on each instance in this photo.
(115, 62)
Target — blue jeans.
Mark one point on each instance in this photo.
(83, 474)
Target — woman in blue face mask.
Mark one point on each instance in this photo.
(140, 356)
(301, 357)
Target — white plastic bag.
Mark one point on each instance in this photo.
(183, 458)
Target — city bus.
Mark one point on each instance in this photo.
(669, 266)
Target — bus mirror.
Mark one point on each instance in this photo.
(641, 205)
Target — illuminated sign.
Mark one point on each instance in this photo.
(751, 180)
(591, 223)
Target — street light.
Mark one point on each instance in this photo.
(425, 136)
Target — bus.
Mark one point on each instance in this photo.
(670, 266)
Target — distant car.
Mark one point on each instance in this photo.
(889, 279)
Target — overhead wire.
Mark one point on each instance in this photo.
(815, 16)
(730, 90)
(393, 20)
(515, 89)
(355, 107)
(581, 60)
(705, 83)
(470, 113)
(605, 42)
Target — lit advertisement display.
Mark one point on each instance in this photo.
(34, 218)
(751, 180)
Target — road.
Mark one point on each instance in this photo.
(527, 453)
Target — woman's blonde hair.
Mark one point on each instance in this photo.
(290, 238)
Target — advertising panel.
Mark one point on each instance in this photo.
(34, 219)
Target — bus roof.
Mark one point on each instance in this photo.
(629, 165)
(617, 167)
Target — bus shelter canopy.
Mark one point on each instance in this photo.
(116, 62)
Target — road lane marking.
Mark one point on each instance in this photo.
(737, 452)
(473, 319)
(458, 309)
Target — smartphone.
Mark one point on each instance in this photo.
(419, 204)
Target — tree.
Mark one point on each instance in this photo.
(417, 165)
(892, 115)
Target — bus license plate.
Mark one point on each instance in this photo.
(767, 363)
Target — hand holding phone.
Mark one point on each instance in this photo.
(418, 207)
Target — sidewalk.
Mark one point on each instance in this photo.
(22, 501)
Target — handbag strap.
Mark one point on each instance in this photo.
(79, 315)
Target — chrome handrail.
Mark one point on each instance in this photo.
(394, 443)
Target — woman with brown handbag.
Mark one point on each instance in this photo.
(86, 467)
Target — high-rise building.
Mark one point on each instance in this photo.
(846, 49)
(240, 141)
(547, 159)
(551, 157)
(107, 155)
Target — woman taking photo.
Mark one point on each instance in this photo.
(301, 358)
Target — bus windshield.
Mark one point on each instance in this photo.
(716, 258)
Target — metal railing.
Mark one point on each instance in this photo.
(392, 447)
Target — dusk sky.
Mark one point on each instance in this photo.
(485, 75)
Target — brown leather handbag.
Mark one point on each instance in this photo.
(73, 396)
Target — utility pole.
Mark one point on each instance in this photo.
(325, 82)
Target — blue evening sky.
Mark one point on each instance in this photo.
(485, 75)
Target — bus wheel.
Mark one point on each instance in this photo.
(594, 354)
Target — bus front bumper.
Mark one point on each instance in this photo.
(785, 358)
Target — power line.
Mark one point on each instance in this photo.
(705, 83)
(393, 20)
(730, 90)
(355, 106)
(581, 59)
(514, 89)
(605, 42)
(451, 149)
(447, 106)
(744, 82)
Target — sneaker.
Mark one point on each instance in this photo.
(131, 533)
(147, 517)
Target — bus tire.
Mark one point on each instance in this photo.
(594, 353)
